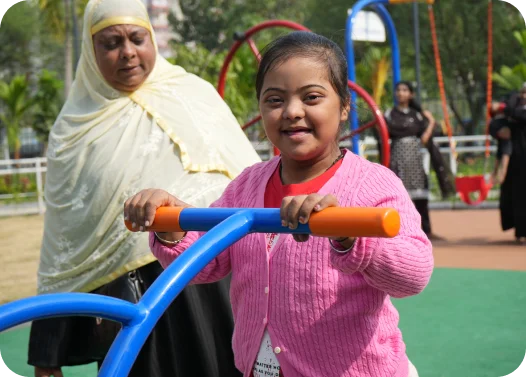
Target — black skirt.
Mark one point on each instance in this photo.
(192, 338)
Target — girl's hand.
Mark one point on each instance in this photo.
(140, 208)
(297, 209)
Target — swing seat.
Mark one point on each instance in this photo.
(475, 183)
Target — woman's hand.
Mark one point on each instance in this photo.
(504, 133)
(140, 209)
(429, 116)
(298, 209)
(496, 108)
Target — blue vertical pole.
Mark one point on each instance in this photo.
(349, 50)
(392, 36)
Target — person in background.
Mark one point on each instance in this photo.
(500, 131)
(131, 121)
(513, 189)
(410, 128)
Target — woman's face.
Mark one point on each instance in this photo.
(403, 94)
(125, 55)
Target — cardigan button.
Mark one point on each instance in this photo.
(265, 320)
(266, 290)
(277, 350)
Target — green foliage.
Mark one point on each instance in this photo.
(18, 28)
(212, 23)
(16, 99)
(22, 108)
(462, 32)
(239, 91)
(48, 102)
(372, 72)
(52, 15)
(512, 78)
(17, 184)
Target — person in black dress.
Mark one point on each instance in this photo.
(410, 128)
(513, 189)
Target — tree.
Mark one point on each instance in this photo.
(372, 72)
(464, 59)
(212, 23)
(48, 102)
(18, 28)
(16, 99)
(57, 15)
(513, 78)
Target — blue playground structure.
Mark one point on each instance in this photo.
(379, 7)
(224, 227)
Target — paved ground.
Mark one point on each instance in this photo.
(473, 239)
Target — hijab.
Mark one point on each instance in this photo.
(174, 133)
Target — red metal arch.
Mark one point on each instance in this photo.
(378, 121)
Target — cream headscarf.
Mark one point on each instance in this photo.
(174, 133)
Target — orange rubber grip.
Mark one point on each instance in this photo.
(166, 220)
(355, 222)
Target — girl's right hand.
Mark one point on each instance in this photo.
(140, 209)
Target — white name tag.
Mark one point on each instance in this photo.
(267, 364)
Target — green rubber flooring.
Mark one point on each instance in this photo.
(467, 323)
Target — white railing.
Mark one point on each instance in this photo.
(38, 166)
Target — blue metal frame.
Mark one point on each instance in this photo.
(224, 226)
(379, 8)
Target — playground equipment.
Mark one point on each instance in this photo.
(378, 121)
(225, 226)
(464, 185)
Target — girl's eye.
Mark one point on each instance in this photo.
(312, 97)
(273, 100)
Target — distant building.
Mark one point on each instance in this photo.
(159, 11)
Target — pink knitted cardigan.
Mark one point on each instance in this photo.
(327, 314)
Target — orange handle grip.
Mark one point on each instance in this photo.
(166, 220)
(355, 222)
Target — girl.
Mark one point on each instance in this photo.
(409, 128)
(309, 306)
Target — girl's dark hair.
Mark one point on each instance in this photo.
(413, 104)
(308, 45)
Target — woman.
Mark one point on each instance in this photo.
(410, 127)
(132, 121)
(512, 198)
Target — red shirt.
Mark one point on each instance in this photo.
(276, 190)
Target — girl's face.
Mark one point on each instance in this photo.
(301, 111)
(403, 94)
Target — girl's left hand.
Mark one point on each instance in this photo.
(297, 209)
